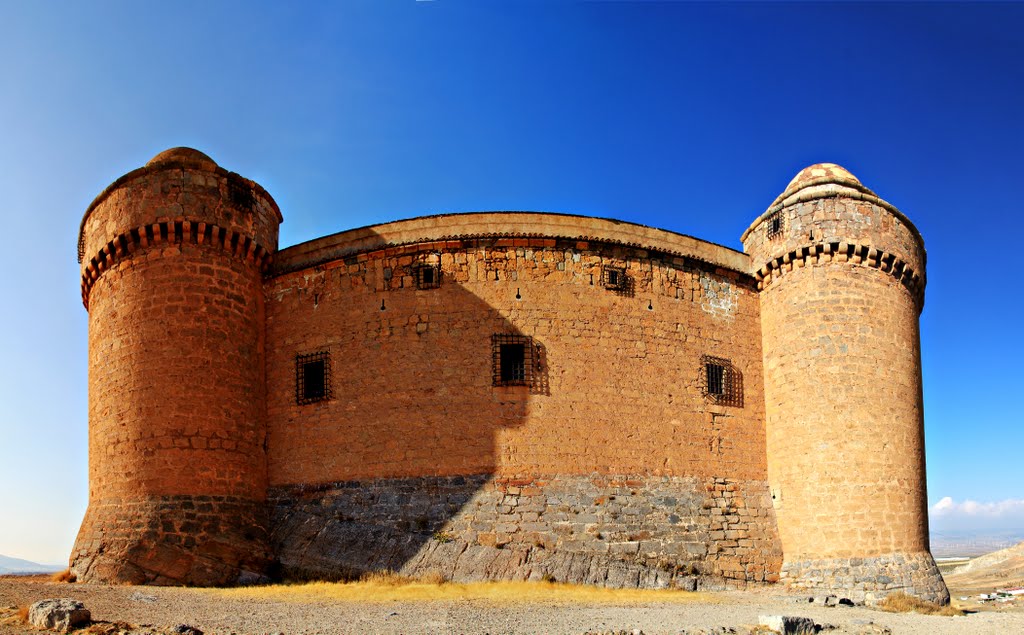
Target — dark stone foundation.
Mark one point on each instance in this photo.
(612, 531)
(870, 579)
(173, 540)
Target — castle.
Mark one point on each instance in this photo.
(503, 395)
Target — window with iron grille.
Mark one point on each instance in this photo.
(513, 360)
(776, 224)
(614, 278)
(240, 192)
(313, 377)
(722, 382)
(428, 277)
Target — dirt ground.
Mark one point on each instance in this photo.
(732, 612)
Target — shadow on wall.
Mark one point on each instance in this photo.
(421, 376)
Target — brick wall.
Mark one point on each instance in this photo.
(412, 384)
(842, 287)
(612, 462)
(171, 276)
(619, 392)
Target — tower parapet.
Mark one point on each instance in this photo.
(172, 257)
(841, 274)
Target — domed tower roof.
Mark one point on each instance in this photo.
(825, 181)
(180, 158)
(822, 171)
(183, 156)
(821, 174)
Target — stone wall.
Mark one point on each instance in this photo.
(842, 286)
(172, 264)
(174, 540)
(618, 390)
(618, 531)
(869, 579)
(175, 399)
(619, 387)
(629, 450)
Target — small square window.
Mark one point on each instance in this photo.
(240, 193)
(614, 278)
(513, 363)
(722, 382)
(313, 377)
(776, 225)
(428, 277)
(513, 360)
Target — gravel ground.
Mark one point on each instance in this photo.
(732, 612)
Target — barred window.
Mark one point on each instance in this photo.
(613, 278)
(428, 277)
(721, 381)
(776, 224)
(240, 192)
(312, 377)
(716, 379)
(513, 360)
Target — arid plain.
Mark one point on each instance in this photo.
(392, 607)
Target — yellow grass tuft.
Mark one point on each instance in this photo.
(384, 578)
(392, 587)
(900, 602)
(434, 577)
(64, 576)
(22, 613)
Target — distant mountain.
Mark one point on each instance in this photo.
(972, 542)
(15, 565)
(998, 569)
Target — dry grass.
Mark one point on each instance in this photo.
(64, 576)
(902, 603)
(392, 587)
(22, 614)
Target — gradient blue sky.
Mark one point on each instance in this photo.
(690, 117)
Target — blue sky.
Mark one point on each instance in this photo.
(691, 117)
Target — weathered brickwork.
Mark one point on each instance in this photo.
(171, 274)
(502, 395)
(620, 531)
(618, 388)
(843, 315)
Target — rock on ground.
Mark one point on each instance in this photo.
(787, 625)
(60, 614)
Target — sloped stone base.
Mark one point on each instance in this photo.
(870, 579)
(173, 540)
(603, 530)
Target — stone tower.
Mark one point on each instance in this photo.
(842, 279)
(172, 257)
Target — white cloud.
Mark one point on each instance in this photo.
(970, 513)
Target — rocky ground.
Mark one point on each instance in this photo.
(122, 609)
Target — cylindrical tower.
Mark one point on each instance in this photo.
(172, 257)
(841, 274)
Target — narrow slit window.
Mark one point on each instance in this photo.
(776, 225)
(312, 377)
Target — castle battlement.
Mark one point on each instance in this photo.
(503, 395)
